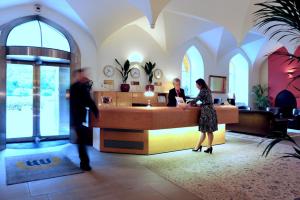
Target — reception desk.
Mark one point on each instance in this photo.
(151, 130)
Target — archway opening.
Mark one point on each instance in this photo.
(191, 70)
(239, 79)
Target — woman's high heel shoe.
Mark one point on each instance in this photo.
(209, 150)
(199, 149)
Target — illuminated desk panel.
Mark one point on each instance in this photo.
(154, 130)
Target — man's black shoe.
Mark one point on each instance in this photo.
(86, 168)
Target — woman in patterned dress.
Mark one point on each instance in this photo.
(208, 122)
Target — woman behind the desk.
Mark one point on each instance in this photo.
(175, 92)
(208, 117)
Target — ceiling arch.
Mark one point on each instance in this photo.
(221, 25)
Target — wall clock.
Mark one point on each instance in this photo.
(158, 74)
(135, 73)
(109, 70)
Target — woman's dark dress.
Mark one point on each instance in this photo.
(208, 117)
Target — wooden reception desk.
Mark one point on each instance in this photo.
(143, 130)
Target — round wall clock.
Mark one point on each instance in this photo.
(158, 74)
(109, 70)
(135, 73)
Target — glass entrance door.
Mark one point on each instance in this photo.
(54, 105)
(19, 101)
(37, 103)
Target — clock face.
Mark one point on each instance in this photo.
(109, 70)
(135, 73)
(158, 74)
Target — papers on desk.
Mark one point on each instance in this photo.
(180, 102)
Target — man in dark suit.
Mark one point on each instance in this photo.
(175, 92)
(80, 101)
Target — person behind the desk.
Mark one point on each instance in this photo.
(175, 92)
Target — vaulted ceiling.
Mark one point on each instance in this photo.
(221, 24)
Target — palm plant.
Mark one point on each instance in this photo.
(124, 70)
(261, 99)
(281, 18)
(287, 138)
(149, 67)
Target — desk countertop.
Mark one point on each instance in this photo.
(152, 118)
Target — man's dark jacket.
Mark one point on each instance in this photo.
(80, 99)
(171, 98)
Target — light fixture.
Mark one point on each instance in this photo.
(148, 94)
(136, 57)
(290, 72)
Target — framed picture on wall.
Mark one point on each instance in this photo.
(217, 84)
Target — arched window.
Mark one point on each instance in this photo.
(37, 34)
(192, 69)
(239, 79)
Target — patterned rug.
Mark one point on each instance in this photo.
(20, 169)
(235, 170)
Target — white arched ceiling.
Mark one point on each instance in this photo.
(252, 44)
(229, 13)
(221, 24)
(103, 17)
(182, 27)
(150, 8)
(61, 6)
(158, 33)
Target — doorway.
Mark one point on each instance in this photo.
(37, 104)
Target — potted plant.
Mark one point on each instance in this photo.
(149, 67)
(261, 99)
(124, 71)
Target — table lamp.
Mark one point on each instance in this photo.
(149, 93)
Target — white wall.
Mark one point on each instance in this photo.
(134, 39)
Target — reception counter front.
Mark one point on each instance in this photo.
(152, 130)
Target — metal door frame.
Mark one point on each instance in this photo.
(36, 103)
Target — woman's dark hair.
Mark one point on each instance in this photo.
(201, 82)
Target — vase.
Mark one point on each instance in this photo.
(125, 87)
(150, 87)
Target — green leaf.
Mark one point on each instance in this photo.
(280, 18)
(118, 63)
(119, 71)
(126, 65)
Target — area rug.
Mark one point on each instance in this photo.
(235, 170)
(20, 169)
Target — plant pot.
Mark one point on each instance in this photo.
(125, 87)
(150, 87)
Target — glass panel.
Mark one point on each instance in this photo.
(27, 34)
(186, 75)
(54, 106)
(238, 79)
(52, 38)
(19, 98)
(192, 69)
(37, 34)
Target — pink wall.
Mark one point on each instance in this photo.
(278, 76)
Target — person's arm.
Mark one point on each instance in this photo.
(198, 98)
(89, 102)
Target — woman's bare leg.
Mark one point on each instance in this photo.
(210, 137)
(201, 140)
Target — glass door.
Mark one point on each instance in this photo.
(37, 104)
(54, 104)
(19, 98)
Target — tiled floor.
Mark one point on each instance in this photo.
(114, 176)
